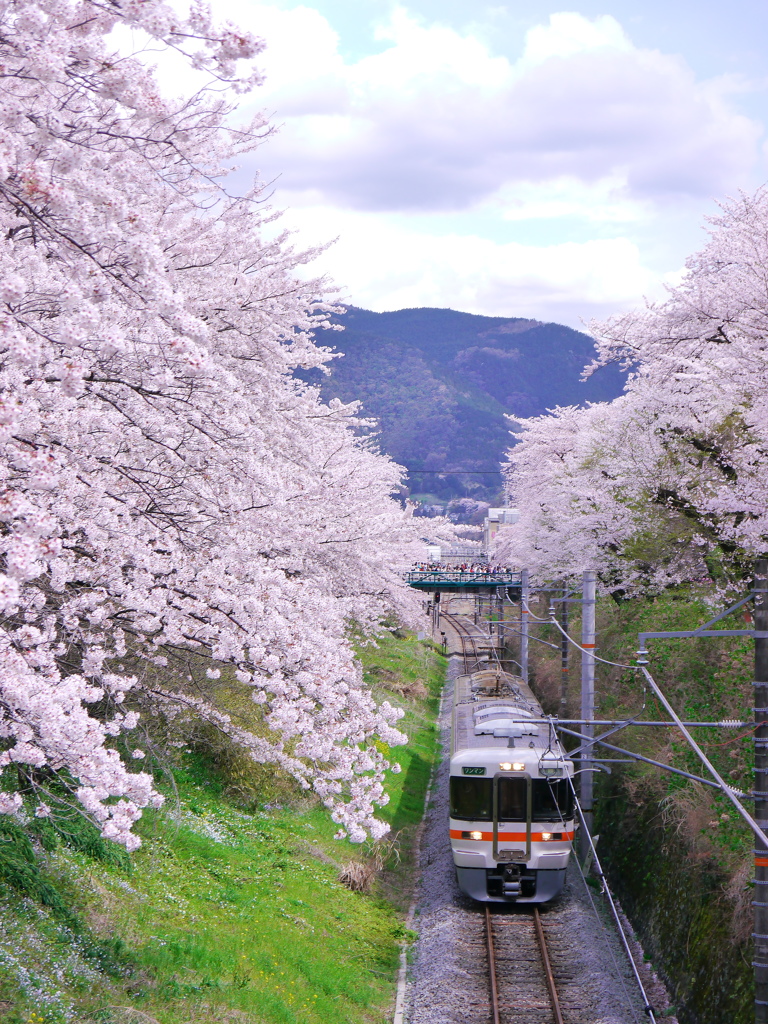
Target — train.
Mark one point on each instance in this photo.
(511, 800)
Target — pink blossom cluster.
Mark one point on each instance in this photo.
(166, 485)
(667, 482)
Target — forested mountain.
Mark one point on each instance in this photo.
(440, 383)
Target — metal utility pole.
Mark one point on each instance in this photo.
(564, 644)
(587, 697)
(760, 904)
(525, 596)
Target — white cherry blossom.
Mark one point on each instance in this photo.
(667, 482)
(166, 485)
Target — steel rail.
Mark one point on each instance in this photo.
(466, 639)
(553, 998)
(492, 966)
(546, 963)
(456, 626)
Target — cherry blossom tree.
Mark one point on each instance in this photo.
(667, 482)
(585, 482)
(166, 485)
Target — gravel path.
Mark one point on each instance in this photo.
(448, 977)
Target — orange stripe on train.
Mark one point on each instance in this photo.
(514, 837)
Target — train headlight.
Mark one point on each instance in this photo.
(506, 766)
(517, 767)
(472, 835)
(546, 836)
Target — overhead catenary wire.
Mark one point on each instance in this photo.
(759, 827)
(616, 664)
(676, 720)
(511, 629)
(641, 757)
(552, 621)
(720, 782)
(756, 829)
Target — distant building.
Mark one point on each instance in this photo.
(496, 520)
(457, 554)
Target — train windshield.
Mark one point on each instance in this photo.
(513, 799)
(552, 801)
(471, 799)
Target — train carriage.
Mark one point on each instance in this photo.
(511, 804)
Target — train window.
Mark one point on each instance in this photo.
(513, 798)
(552, 800)
(471, 799)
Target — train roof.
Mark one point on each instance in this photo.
(490, 710)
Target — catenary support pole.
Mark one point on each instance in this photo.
(760, 902)
(564, 648)
(525, 596)
(587, 696)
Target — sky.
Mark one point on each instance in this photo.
(511, 159)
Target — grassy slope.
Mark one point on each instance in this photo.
(705, 679)
(678, 853)
(228, 914)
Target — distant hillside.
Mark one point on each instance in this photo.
(440, 383)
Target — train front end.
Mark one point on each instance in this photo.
(511, 803)
(511, 830)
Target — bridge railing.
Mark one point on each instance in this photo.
(466, 578)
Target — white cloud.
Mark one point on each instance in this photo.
(602, 201)
(583, 129)
(436, 122)
(386, 264)
(568, 34)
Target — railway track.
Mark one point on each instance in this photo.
(451, 983)
(468, 641)
(522, 984)
(521, 980)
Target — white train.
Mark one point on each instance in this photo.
(511, 804)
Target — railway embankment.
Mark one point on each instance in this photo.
(676, 854)
(240, 905)
(691, 912)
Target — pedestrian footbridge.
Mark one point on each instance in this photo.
(458, 580)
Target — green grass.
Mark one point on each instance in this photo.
(676, 851)
(418, 672)
(705, 678)
(229, 914)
